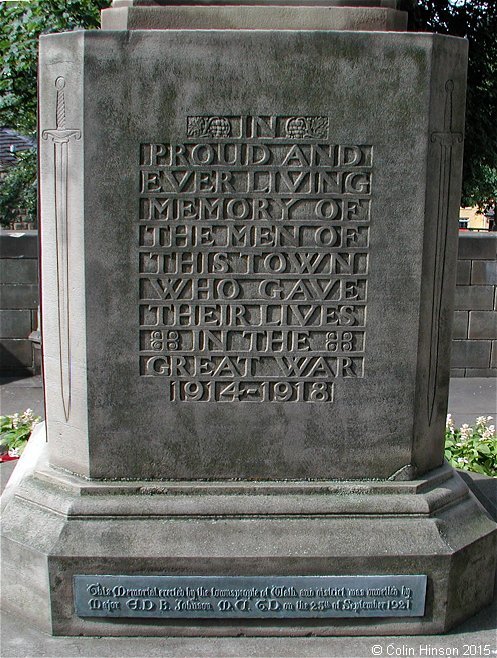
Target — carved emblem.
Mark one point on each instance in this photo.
(307, 127)
(336, 342)
(170, 341)
(61, 137)
(208, 127)
(157, 341)
(447, 140)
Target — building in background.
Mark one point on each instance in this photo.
(473, 219)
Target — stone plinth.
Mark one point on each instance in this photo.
(430, 526)
(248, 267)
(327, 232)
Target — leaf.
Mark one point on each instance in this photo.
(319, 126)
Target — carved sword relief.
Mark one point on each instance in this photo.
(61, 137)
(447, 140)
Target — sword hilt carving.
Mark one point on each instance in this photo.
(60, 133)
(60, 113)
(449, 88)
(447, 137)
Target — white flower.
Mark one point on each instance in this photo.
(462, 460)
(27, 416)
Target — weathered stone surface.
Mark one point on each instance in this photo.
(493, 357)
(476, 292)
(15, 324)
(482, 324)
(474, 298)
(298, 3)
(478, 246)
(460, 328)
(247, 314)
(17, 244)
(18, 270)
(19, 296)
(484, 272)
(481, 372)
(268, 528)
(16, 355)
(116, 388)
(470, 352)
(256, 17)
(463, 277)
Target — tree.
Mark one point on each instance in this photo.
(476, 20)
(21, 24)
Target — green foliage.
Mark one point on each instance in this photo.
(18, 190)
(15, 431)
(472, 448)
(21, 23)
(480, 187)
(475, 20)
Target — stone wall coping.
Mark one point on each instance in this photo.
(477, 246)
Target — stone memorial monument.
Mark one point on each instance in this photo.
(248, 220)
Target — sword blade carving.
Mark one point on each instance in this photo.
(447, 140)
(61, 137)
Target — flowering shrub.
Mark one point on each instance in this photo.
(472, 448)
(15, 431)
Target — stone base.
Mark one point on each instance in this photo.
(58, 525)
(253, 17)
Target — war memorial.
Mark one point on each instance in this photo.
(248, 268)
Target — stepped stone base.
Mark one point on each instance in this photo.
(58, 525)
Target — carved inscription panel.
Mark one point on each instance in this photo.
(253, 240)
(249, 597)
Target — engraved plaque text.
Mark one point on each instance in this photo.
(250, 596)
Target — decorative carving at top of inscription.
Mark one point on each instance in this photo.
(208, 127)
(243, 127)
(307, 127)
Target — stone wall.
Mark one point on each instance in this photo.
(19, 300)
(474, 345)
